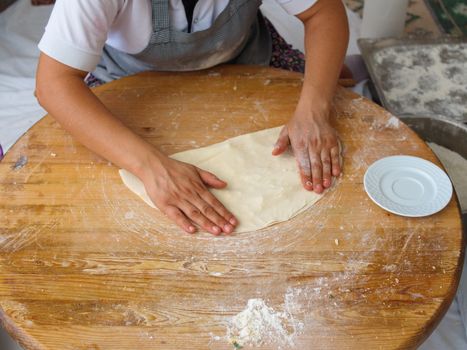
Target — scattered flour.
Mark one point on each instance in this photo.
(393, 123)
(214, 74)
(390, 268)
(260, 324)
(129, 215)
(456, 167)
(425, 79)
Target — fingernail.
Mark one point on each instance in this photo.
(191, 229)
(308, 183)
(216, 229)
(326, 183)
(233, 221)
(228, 228)
(318, 188)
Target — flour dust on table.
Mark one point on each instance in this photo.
(262, 189)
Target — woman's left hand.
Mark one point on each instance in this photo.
(315, 146)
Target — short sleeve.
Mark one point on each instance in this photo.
(77, 30)
(294, 7)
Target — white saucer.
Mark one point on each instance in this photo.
(408, 186)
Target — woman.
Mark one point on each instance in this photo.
(120, 37)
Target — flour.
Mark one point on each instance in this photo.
(392, 123)
(425, 79)
(129, 215)
(260, 324)
(456, 167)
(390, 268)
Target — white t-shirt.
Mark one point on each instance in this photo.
(78, 29)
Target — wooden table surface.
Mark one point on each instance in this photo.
(85, 264)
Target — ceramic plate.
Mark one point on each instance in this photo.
(408, 186)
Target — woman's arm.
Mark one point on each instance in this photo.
(178, 189)
(313, 140)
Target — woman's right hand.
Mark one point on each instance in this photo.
(180, 191)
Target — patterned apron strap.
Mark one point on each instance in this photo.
(161, 23)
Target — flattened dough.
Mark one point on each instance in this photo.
(262, 189)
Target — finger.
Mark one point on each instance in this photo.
(282, 142)
(195, 214)
(335, 163)
(213, 181)
(316, 172)
(230, 220)
(209, 212)
(175, 214)
(210, 179)
(303, 162)
(326, 161)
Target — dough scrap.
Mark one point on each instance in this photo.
(262, 189)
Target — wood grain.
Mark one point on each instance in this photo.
(84, 264)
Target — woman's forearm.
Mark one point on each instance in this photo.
(178, 189)
(309, 132)
(326, 40)
(62, 92)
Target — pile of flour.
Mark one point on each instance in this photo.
(425, 79)
(260, 324)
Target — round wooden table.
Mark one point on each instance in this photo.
(85, 264)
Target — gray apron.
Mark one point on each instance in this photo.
(238, 35)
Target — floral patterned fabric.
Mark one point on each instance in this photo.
(283, 55)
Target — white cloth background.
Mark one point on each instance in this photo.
(21, 27)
